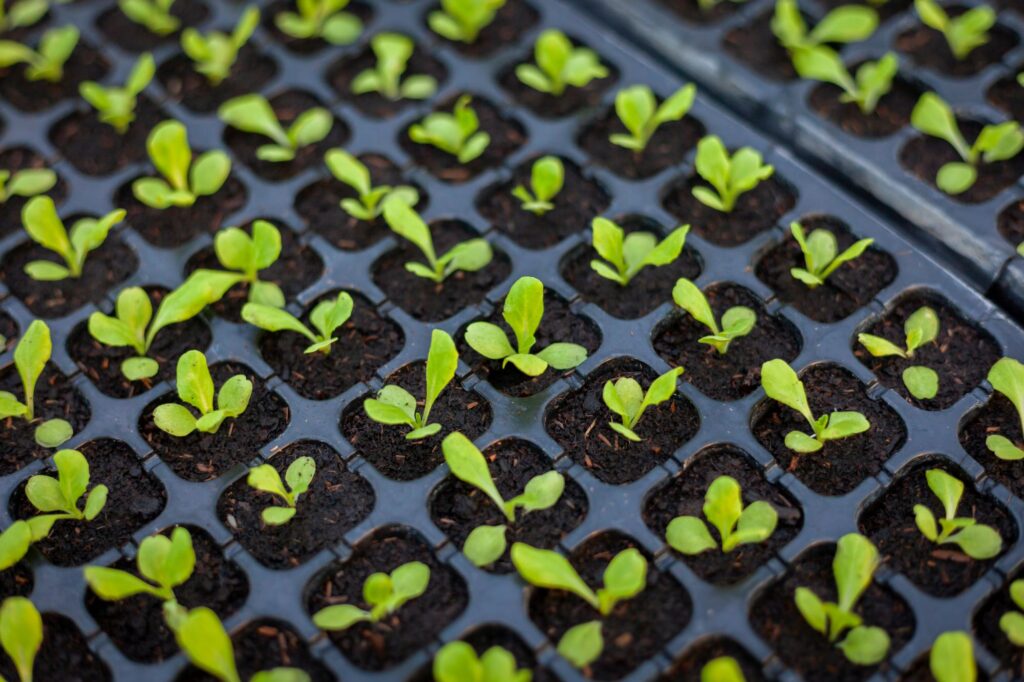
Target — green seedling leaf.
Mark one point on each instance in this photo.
(582, 644)
(872, 81)
(737, 321)
(326, 317)
(164, 563)
(485, 545)
(30, 358)
(458, 662)
(547, 176)
(468, 256)
(183, 181)
(952, 658)
(371, 200)
(845, 24)
(457, 133)
(46, 63)
(1007, 377)
(22, 14)
(1012, 622)
(640, 113)
(45, 227)
(154, 15)
(253, 114)
(248, 255)
(214, 53)
(462, 20)
(206, 644)
(963, 33)
(384, 592)
(723, 507)
(865, 645)
(729, 176)
(387, 78)
(978, 541)
(195, 388)
(722, 669)
(821, 254)
(58, 498)
(323, 19)
(550, 570)
(298, 477)
(26, 183)
(626, 255)
(116, 105)
(14, 544)
(559, 64)
(21, 634)
(627, 399)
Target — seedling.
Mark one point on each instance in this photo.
(729, 176)
(155, 15)
(468, 256)
(845, 24)
(116, 105)
(921, 328)
(996, 142)
(385, 593)
(853, 567)
(21, 634)
(21, 13)
(1012, 622)
(195, 388)
(523, 310)
(46, 63)
(737, 321)
(976, 540)
(458, 662)
(245, 254)
(736, 525)
(547, 176)
(821, 254)
(323, 19)
(626, 398)
(183, 181)
(57, 498)
(215, 53)
(627, 255)
(253, 114)
(393, 51)
(559, 65)
(14, 544)
(371, 200)
(640, 112)
(486, 544)
(26, 183)
(963, 33)
(723, 668)
(45, 227)
(462, 20)
(781, 384)
(326, 318)
(872, 81)
(457, 133)
(624, 578)
(298, 476)
(952, 658)
(1007, 377)
(30, 358)
(394, 405)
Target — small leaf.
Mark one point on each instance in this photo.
(485, 545)
(688, 535)
(53, 432)
(339, 617)
(952, 658)
(865, 645)
(582, 644)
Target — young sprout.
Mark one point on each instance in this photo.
(1007, 377)
(624, 578)
(872, 81)
(627, 255)
(154, 15)
(323, 19)
(30, 358)
(737, 321)
(976, 540)
(962, 33)
(523, 310)
(457, 133)
(253, 114)
(626, 398)
(821, 254)
(736, 525)
(996, 142)
(729, 176)
(462, 20)
(116, 105)
(385, 593)
(845, 24)
(238, 251)
(370, 203)
(458, 662)
(195, 387)
(641, 114)
(1012, 622)
(560, 65)
(853, 567)
(393, 51)
(952, 658)
(46, 63)
(215, 53)
(298, 476)
(921, 328)
(26, 183)
(183, 181)
(21, 634)
(57, 498)
(326, 318)
(723, 668)
(781, 384)
(547, 176)
(45, 227)
(21, 13)
(468, 256)
(486, 544)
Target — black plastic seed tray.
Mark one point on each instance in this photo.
(267, 609)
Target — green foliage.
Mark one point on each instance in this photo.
(215, 53)
(458, 662)
(326, 318)
(976, 540)
(21, 634)
(30, 358)
(729, 176)
(722, 669)
(323, 19)
(737, 321)
(47, 62)
(21, 13)
(57, 498)
(996, 142)
(14, 544)
(457, 133)
(821, 254)
(872, 81)
(183, 181)
(370, 202)
(853, 568)
(116, 105)
(547, 176)
(963, 33)
(641, 114)
(393, 51)
(164, 562)
(154, 15)
(298, 476)
(462, 20)
(195, 388)
(626, 398)
(921, 328)
(845, 24)
(385, 593)
(523, 310)
(253, 114)
(45, 227)
(781, 384)
(736, 525)
(468, 256)
(559, 64)
(239, 252)
(1012, 622)
(26, 183)
(627, 255)
(1007, 377)
(952, 658)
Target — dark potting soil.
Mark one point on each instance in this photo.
(97, 148)
(580, 199)
(852, 286)
(691, 11)
(689, 667)
(375, 105)
(16, 581)
(635, 629)
(755, 211)
(886, 10)
(1011, 222)
(737, 373)
(55, 397)
(8, 332)
(205, 456)
(133, 37)
(486, 636)
(841, 464)
(84, 64)
(668, 146)
(987, 630)
(942, 570)
(996, 417)
(559, 324)
(311, 45)
(365, 342)
(174, 226)
(386, 448)
(64, 655)
(962, 354)
(756, 46)
(20, 158)
(1007, 94)
(891, 113)
(928, 48)
(510, 22)
(135, 497)
(507, 135)
(683, 495)
(775, 618)
(571, 100)
(250, 72)
(337, 500)
(578, 420)
(136, 625)
(430, 301)
(384, 644)
(648, 289)
(458, 508)
(287, 106)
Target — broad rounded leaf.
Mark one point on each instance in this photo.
(689, 535)
(485, 545)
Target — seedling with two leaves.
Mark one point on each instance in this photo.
(457, 133)
(963, 33)
(626, 398)
(462, 20)
(195, 388)
(723, 508)
(458, 662)
(239, 252)
(737, 321)
(154, 15)
(116, 104)
(21, 634)
(370, 200)
(921, 328)
(871, 83)
(821, 254)
(326, 318)
(976, 540)
(385, 593)
(30, 358)
(845, 24)
(486, 544)
(47, 62)
(952, 658)
(26, 183)
(729, 176)
(21, 13)
(253, 114)
(560, 64)
(627, 255)
(547, 177)
(215, 53)
(1007, 377)
(468, 256)
(323, 19)
(45, 227)
(299, 475)
(640, 113)
(387, 77)
(1012, 622)
(58, 498)
(182, 181)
